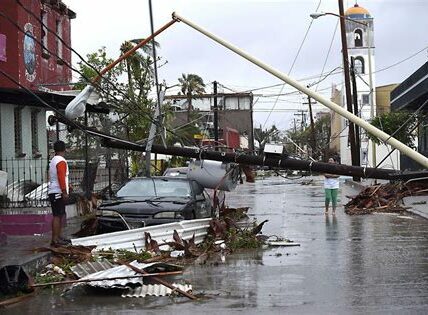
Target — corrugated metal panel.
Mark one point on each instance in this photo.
(131, 239)
(122, 271)
(155, 290)
(90, 267)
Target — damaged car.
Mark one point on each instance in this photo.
(144, 201)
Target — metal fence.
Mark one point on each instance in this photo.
(27, 180)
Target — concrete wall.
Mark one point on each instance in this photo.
(29, 166)
(383, 98)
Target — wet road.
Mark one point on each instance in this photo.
(345, 265)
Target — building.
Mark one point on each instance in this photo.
(235, 112)
(412, 95)
(31, 58)
(360, 43)
(383, 99)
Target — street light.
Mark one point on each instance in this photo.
(345, 60)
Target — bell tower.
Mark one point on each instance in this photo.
(360, 39)
(360, 42)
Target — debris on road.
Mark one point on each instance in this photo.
(156, 290)
(384, 198)
(153, 252)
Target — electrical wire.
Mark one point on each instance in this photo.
(73, 69)
(294, 61)
(328, 54)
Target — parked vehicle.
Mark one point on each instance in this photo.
(146, 201)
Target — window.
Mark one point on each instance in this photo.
(359, 65)
(358, 38)
(18, 130)
(34, 132)
(44, 33)
(365, 99)
(58, 42)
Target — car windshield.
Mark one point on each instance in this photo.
(152, 188)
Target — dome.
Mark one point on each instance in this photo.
(357, 11)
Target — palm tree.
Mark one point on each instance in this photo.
(191, 84)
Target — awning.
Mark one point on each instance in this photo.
(56, 99)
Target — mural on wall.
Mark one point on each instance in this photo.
(29, 52)
(3, 47)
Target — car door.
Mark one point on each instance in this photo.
(202, 201)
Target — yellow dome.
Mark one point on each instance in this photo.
(356, 9)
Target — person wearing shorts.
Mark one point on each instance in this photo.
(331, 188)
(58, 192)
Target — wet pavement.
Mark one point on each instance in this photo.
(345, 265)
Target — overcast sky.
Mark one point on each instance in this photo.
(272, 31)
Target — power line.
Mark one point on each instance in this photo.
(294, 61)
(328, 54)
(98, 85)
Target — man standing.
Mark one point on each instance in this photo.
(58, 191)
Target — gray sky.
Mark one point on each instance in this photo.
(272, 31)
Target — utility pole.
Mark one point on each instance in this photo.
(302, 113)
(313, 136)
(356, 111)
(215, 117)
(351, 126)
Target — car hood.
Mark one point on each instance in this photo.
(126, 207)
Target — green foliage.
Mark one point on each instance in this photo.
(266, 136)
(125, 255)
(191, 85)
(242, 239)
(391, 122)
(47, 278)
(304, 137)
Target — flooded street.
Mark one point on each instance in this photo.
(345, 265)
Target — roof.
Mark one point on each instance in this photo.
(57, 100)
(412, 92)
(357, 12)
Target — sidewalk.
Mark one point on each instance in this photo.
(18, 250)
(418, 204)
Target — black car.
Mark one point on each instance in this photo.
(146, 201)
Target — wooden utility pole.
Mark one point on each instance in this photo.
(313, 136)
(215, 117)
(274, 161)
(351, 125)
(356, 112)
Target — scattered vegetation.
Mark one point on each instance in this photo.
(125, 255)
(242, 239)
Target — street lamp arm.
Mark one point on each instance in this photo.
(316, 15)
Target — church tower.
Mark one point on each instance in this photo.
(360, 43)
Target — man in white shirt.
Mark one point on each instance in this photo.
(58, 191)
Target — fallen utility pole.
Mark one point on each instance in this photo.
(278, 162)
(281, 162)
(414, 155)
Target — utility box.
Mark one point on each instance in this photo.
(214, 174)
(274, 149)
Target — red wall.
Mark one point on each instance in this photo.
(39, 69)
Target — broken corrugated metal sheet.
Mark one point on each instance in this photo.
(90, 267)
(155, 290)
(123, 271)
(134, 239)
